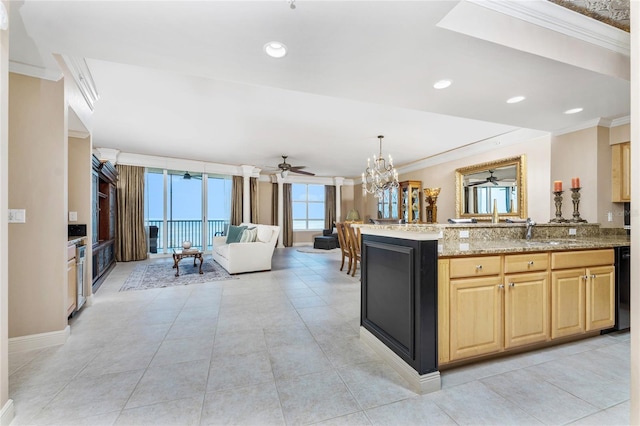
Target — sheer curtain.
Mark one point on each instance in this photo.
(236, 200)
(131, 238)
(329, 206)
(287, 232)
(253, 195)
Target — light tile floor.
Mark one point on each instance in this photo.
(282, 347)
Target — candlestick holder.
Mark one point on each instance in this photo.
(558, 201)
(575, 198)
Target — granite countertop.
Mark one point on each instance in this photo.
(471, 247)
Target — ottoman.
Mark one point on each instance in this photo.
(324, 243)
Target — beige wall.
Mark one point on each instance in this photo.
(587, 154)
(80, 194)
(443, 176)
(347, 201)
(620, 134)
(265, 192)
(38, 183)
(4, 228)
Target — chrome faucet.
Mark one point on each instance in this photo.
(530, 225)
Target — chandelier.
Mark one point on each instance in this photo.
(379, 177)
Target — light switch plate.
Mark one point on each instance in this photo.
(464, 234)
(17, 216)
(572, 231)
(73, 216)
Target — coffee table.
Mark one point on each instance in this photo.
(181, 254)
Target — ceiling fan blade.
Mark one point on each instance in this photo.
(298, 167)
(302, 172)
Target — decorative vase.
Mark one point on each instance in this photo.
(186, 245)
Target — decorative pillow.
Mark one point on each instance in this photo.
(264, 234)
(235, 233)
(249, 235)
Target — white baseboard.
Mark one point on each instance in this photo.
(89, 300)
(419, 383)
(7, 413)
(39, 341)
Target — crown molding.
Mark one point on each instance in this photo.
(621, 121)
(33, 71)
(505, 139)
(565, 21)
(81, 75)
(80, 134)
(596, 122)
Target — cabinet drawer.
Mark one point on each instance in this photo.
(474, 266)
(581, 259)
(526, 262)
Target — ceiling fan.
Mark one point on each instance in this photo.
(490, 179)
(188, 176)
(285, 168)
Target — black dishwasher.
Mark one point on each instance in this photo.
(623, 284)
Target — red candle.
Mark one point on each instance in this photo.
(557, 185)
(575, 182)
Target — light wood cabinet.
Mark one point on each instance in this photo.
(582, 292)
(475, 316)
(621, 172)
(489, 304)
(526, 308)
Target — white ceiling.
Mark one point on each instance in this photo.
(190, 80)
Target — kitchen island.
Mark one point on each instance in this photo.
(495, 291)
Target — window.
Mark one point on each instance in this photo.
(194, 209)
(308, 206)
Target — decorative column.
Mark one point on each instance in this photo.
(280, 181)
(247, 171)
(338, 182)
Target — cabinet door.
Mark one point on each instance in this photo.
(71, 286)
(526, 309)
(95, 210)
(475, 316)
(600, 295)
(112, 212)
(621, 172)
(567, 302)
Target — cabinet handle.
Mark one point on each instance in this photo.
(512, 284)
(478, 267)
(530, 263)
(593, 276)
(501, 286)
(585, 277)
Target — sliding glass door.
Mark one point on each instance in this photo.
(183, 206)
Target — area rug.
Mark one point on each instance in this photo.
(158, 275)
(310, 249)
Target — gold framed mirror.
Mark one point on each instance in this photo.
(503, 180)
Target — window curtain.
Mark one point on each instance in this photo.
(329, 206)
(236, 200)
(253, 195)
(287, 232)
(131, 238)
(274, 204)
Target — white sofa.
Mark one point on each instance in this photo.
(247, 257)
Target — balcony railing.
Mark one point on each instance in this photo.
(186, 230)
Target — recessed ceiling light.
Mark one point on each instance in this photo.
(442, 84)
(573, 111)
(516, 99)
(275, 49)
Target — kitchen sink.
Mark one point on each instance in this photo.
(550, 242)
